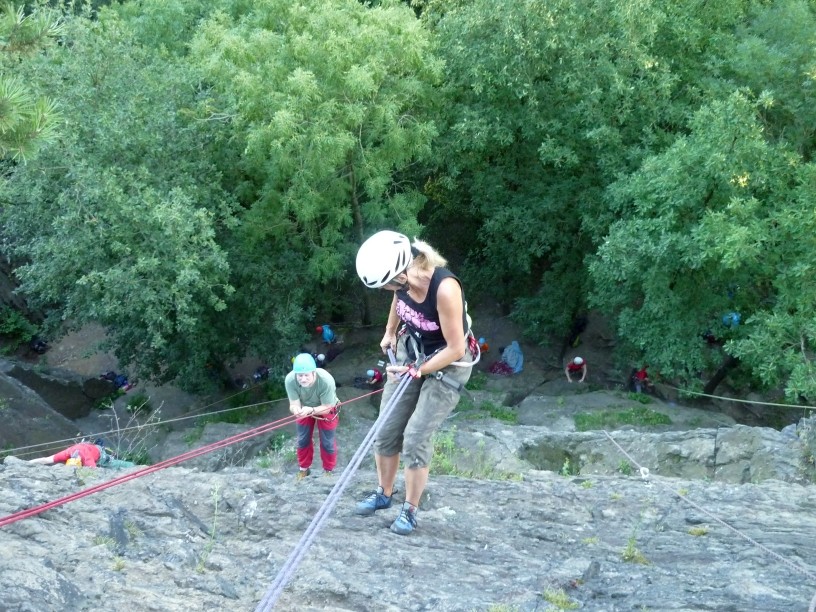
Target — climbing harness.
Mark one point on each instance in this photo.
(330, 416)
(416, 351)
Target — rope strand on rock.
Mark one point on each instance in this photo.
(296, 556)
(251, 433)
(645, 473)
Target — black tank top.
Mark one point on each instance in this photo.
(422, 320)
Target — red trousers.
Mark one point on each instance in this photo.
(326, 424)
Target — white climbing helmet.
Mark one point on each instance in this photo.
(578, 361)
(382, 257)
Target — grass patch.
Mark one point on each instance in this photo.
(193, 435)
(15, 329)
(502, 413)
(486, 410)
(280, 452)
(105, 541)
(106, 403)
(631, 554)
(451, 460)
(208, 548)
(559, 599)
(698, 531)
(639, 416)
(477, 382)
(139, 403)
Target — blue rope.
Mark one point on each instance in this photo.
(290, 566)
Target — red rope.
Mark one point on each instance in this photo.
(17, 516)
(22, 514)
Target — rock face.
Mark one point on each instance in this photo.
(499, 533)
(27, 420)
(185, 540)
(71, 395)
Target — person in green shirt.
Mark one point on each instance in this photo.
(313, 399)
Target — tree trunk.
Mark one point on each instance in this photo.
(729, 363)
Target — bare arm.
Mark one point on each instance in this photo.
(389, 339)
(43, 460)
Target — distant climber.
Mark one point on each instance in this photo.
(731, 320)
(84, 454)
(327, 332)
(120, 381)
(260, 373)
(375, 377)
(575, 367)
(640, 380)
(38, 345)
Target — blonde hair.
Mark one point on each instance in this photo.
(428, 258)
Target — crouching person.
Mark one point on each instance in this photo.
(313, 399)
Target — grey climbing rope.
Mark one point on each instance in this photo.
(296, 556)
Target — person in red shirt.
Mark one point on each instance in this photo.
(375, 377)
(641, 380)
(83, 453)
(575, 367)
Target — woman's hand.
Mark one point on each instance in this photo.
(389, 341)
(396, 372)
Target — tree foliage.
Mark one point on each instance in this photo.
(208, 204)
(27, 120)
(220, 162)
(117, 222)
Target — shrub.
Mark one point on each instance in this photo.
(15, 329)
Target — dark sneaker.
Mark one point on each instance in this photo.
(376, 501)
(303, 473)
(406, 522)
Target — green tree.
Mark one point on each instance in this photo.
(26, 120)
(718, 222)
(547, 103)
(119, 221)
(720, 227)
(205, 205)
(329, 98)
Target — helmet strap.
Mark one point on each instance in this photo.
(401, 286)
